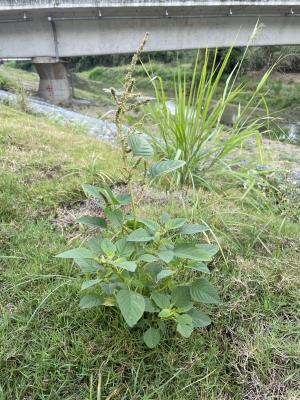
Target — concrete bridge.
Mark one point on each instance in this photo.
(47, 30)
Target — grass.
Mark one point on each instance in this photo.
(50, 349)
(194, 132)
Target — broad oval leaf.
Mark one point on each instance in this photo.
(147, 258)
(161, 300)
(128, 265)
(185, 325)
(124, 248)
(115, 217)
(139, 235)
(165, 167)
(191, 251)
(200, 320)
(90, 301)
(174, 223)
(151, 337)
(124, 199)
(94, 222)
(153, 268)
(139, 145)
(132, 306)
(87, 284)
(211, 249)
(87, 265)
(181, 296)
(192, 229)
(108, 248)
(204, 292)
(164, 274)
(92, 191)
(149, 223)
(150, 306)
(164, 218)
(198, 266)
(94, 244)
(166, 255)
(79, 252)
(165, 313)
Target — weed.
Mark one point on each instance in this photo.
(193, 131)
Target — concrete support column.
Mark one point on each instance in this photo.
(54, 84)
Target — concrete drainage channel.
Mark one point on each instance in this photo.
(103, 130)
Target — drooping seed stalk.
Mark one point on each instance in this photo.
(123, 107)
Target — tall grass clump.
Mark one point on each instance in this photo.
(192, 128)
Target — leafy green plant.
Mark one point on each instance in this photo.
(191, 128)
(146, 269)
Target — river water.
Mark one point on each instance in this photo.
(290, 131)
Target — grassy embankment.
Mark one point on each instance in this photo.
(50, 349)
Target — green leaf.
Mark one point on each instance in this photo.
(139, 145)
(147, 258)
(166, 255)
(115, 217)
(124, 199)
(191, 251)
(150, 306)
(149, 223)
(88, 265)
(132, 306)
(128, 265)
(92, 221)
(200, 320)
(211, 249)
(87, 284)
(161, 300)
(204, 292)
(165, 313)
(108, 247)
(181, 297)
(90, 301)
(174, 223)
(109, 288)
(164, 274)
(184, 325)
(152, 337)
(165, 167)
(198, 266)
(192, 229)
(153, 268)
(95, 245)
(124, 248)
(80, 252)
(105, 193)
(139, 235)
(91, 191)
(164, 218)
(184, 319)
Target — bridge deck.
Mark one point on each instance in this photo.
(66, 28)
(40, 4)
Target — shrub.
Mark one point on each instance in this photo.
(146, 269)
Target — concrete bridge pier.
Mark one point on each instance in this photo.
(54, 83)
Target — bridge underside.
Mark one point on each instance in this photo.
(67, 32)
(76, 31)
